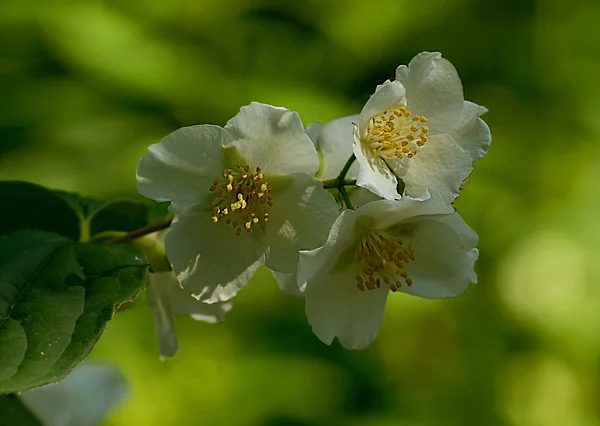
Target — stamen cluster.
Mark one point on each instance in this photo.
(396, 135)
(242, 198)
(382, 258)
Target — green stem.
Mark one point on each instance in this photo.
(347, 166)
(330, 183)
(105, 236)
(346, 198)
(335, 183)
(84, 230)
(140, 232)
(341, 182)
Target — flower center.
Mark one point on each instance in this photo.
(397, 134)
(382, 258)
(242, 198)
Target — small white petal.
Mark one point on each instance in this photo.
(387, 96)
(300, 219)
(159, 300)
(314, 263)
(184, 304)
(314, 132)
(440, 167)
(288, 283)
(445, 257)
(335, 307)
(374, 174)
(336, 145)
(274, 139)
(84, 398)
(180, 168)
(385, 214)
(433, 89)
(209, 259)
(472, 133)
(361, 196)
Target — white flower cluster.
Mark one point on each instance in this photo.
(249, 194)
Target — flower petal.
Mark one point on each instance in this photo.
(300, 219)
(361, 196)
(159, 300)
(374, 174)
(387, 96)
(472, 133)
(336, 144)
(180, 168)
(209, 259)
(336, 308)
(315, 263)
(288, 283)
(440, 167)
(385, 214)
(314, 132)
(445, 256)
(184, 303)
(433, 89)
(273, 139)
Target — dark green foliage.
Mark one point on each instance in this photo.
(29, 206)
(14, 413)
(55, 299)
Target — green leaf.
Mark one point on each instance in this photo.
(119, 215)
(115, 274)
(82, 206)
(55, 299)
(29, 206)
(14, 413)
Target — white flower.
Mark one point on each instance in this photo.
(244, 196)
(334, 142)
(415, 246)
(84, 398)
(167, 299)
(420, 129)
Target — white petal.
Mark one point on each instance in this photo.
(471, 133)
(184, 304)
(273, 139)
(159, 300)
(288, 283)
(336, 145)
(387, 96)
(84, 398)
(314, 263)
(209, 259)
(300, 219)
(181, 167)
(433, 89)
(361, 196)
(335, 307)
(314, 132)
(385, 214)
(439, 167)
(445, 256)
(374, 174)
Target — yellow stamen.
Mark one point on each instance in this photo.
(244, 196)
(387, 134)
(382, 258)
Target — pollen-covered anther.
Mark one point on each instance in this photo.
(244, 197)
(387, 134)
(382, 259)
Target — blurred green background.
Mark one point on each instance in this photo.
(87, 85)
